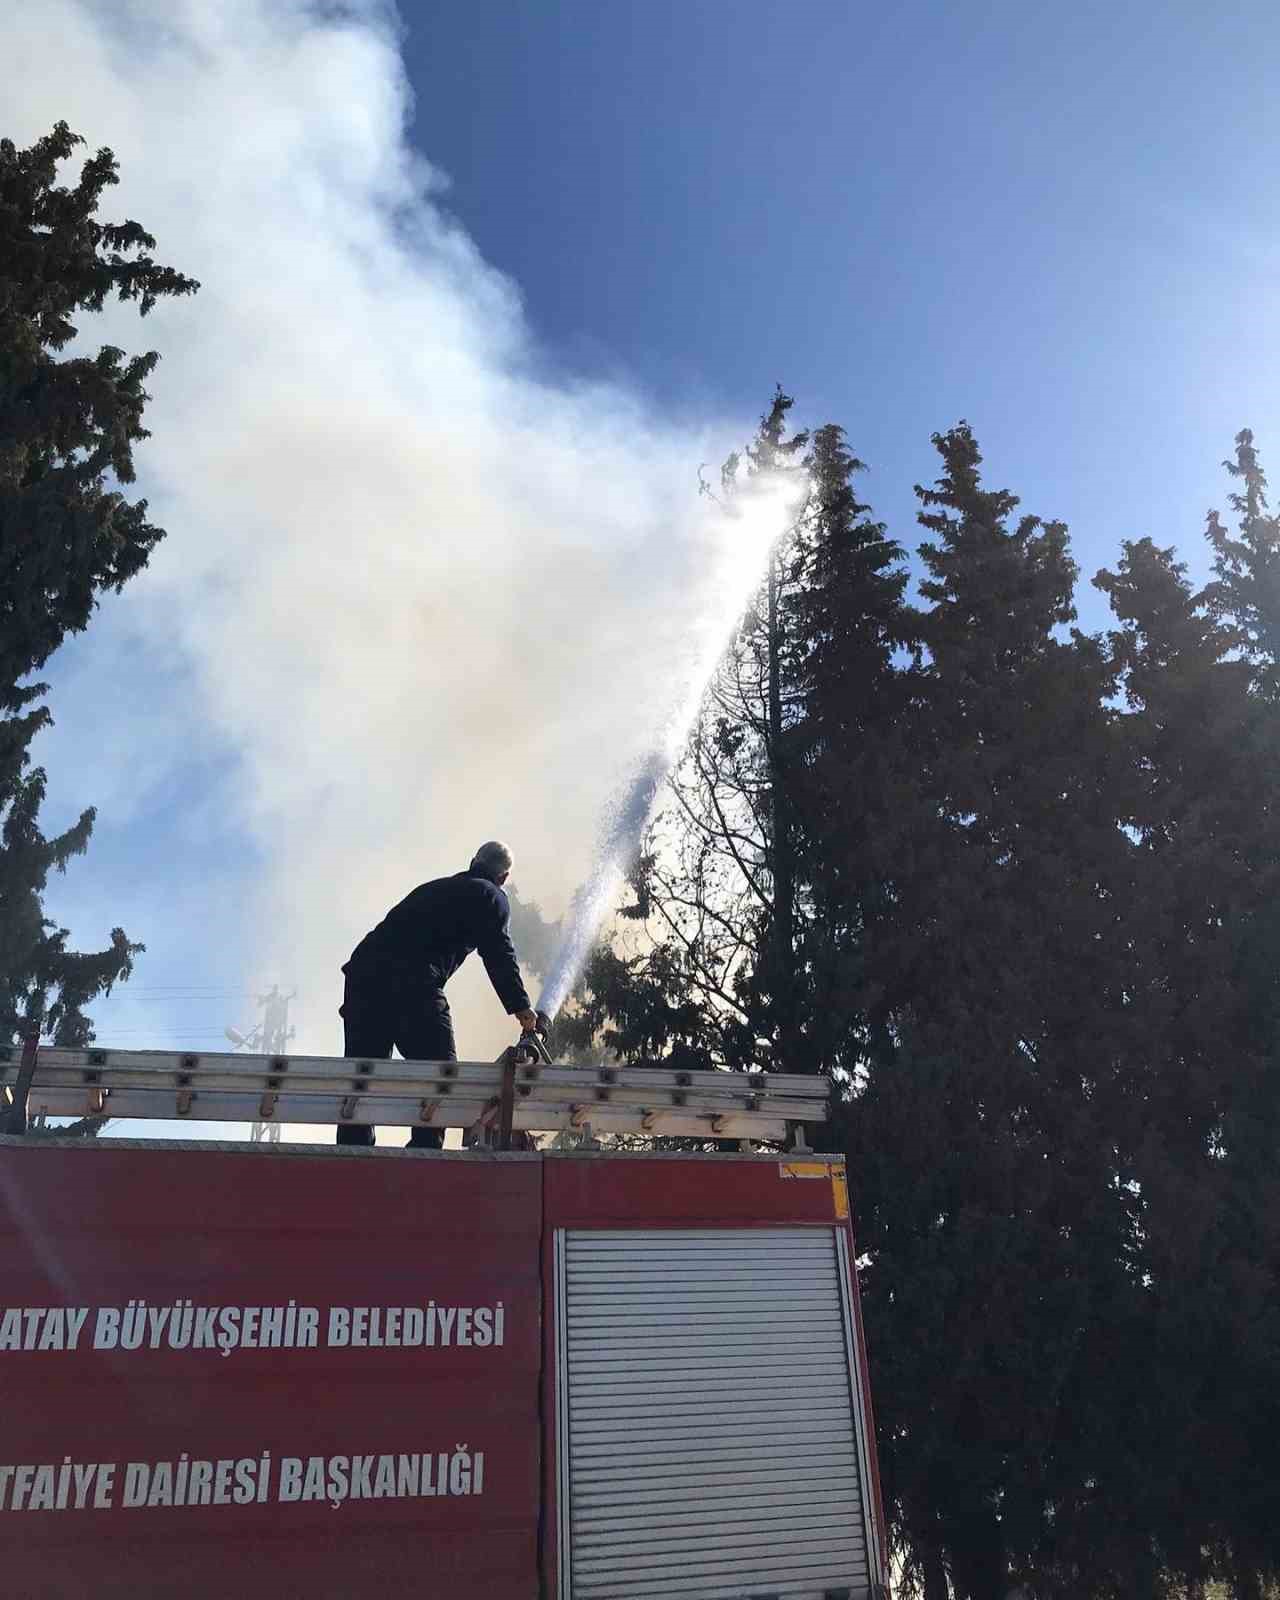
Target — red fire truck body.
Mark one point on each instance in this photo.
(291, 1370)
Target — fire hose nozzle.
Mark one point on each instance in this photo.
(532, 1048)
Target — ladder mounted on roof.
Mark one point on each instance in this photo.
(510, 1094)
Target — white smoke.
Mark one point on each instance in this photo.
(420, 593)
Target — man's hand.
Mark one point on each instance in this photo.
(528, 1020)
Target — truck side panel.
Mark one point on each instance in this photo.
(357, 1454)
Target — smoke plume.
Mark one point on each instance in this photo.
(416, 594)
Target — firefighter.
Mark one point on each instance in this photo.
(396, 975)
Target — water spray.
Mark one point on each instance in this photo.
(622, 833)
(761, 512)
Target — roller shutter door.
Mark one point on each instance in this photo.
(708, 1442)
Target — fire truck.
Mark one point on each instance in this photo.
(567, 1373)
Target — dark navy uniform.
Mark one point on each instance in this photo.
(396, 976)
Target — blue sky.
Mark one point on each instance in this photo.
(427, 460)
(1059, 222)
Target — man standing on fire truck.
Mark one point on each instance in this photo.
(396, 975)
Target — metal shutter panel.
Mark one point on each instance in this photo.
(708, 1444)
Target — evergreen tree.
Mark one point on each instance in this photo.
(712, 971)
(993, 1206)
(67, 424)
(1198, 677)
(1033, 940)
(767, 781)
(68, 530)
(1246, 595)
(1246, 598)
(43, 985)
(852, 620)
(745, 965)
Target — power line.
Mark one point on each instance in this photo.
(176, 999)
(163, 991)
(160, 1033)
(190, 983)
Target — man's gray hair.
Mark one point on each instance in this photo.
(491, 860)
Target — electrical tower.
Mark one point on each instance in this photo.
(270, 1038)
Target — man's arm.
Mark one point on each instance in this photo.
(499, 957)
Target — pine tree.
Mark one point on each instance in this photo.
(1033, 937)
(67, 529)
(746, 966)
(43, 985)
(1199, 683)
(992, 1205)
(769, 636)
(717, 908)
(67, 426)
(1246, 595)
(852, 620)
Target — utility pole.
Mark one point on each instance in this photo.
(270, 1038)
